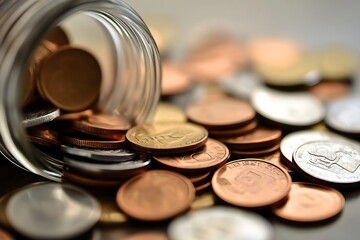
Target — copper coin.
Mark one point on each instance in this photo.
(149, 235)
(197, 179)
(5, 235)
(102, 125)
(221, 113)
(156, 195)
(95, 143)
(254, 153)
(308, 202)
(275, 158)
(201, 188)
(70, 79)
(174, 79)
(90, 182)
(251, 183)
(329, 91)
(167, 138)
(43, 136)
(261, 137)
(214, 154)
(234, 132)
(75, 115)
(58, 37)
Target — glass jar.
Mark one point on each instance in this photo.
(109, 29)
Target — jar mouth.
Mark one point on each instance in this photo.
(131, 67)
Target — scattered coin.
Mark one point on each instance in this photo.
(214, 154)
(220, 222)
(88, 142)
(221, 113)
(343, 116)
(198, 179)
(234, 132)
(308, 202)
(66, 88)
(330, 162)
(75, 116)
(167, 112)
(52, 211)
(166, 138)
(44, 136)
(253, 153)
(174, 79)
(156, 195)
(39, 114)
(251, 183)
(328, 91)
(276, 159)
(290, 110)
(202, 187)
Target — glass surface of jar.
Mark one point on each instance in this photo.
(110, 30)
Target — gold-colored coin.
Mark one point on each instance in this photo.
(70, 79)
(338, 63)
(167, 138)
(167, 112)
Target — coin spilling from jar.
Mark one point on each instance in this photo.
(238, 138)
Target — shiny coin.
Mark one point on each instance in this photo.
(261, 137)
(70, 79)
(251, 183)
(293, 140)
(308, 202)
(174, 79)
(5, 235)
(337, 63)
(329, 162)
(116, 155)
(276, 159)
(214, 154)
(221, 113)
(290, 110)
(39, 114)
(102, 125)
(344, 115)
(167, 112)
(234, 132)
(167, 138)
(156, 195)
(197, 179)
(330, 91)
(220, 222)
(52, 211)
(121, 170)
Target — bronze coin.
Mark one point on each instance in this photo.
(213, 154)
(156, 195)
(234, 132)
(74, 116)
(198, 179)
(308, 202)
(203, 187)
(90, 182)
(174, 79)
(221, 113)
(102, 125)
(276, 159)
(261, 137)
(43, 136)
(95, 143)
(251, 183)
(5, 235)
(70, 78)
(149, 235)
(254, 153)
(167, 138)
(58, 37)
(329, 91)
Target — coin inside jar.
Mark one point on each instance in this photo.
(156, 195)
(308, 202)
(70, 78)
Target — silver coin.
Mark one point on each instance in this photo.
(241, 85)
(116, 155)
(40, 114)
(293, 140)
(344, 115)
(329, 161)
(52, 211)
(223, 223)
(291, 109)
(109, 170)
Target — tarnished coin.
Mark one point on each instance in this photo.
(52, 211)
(156, 195)
(343, 116)
(338, 63)
(166, 138)
(70, 78)
(251, 183)
(220, 222)
(214, 154)
(102, 125)
(116, 155)
(167, 112)
(330, 162)
(328, 91)
(120, 170)
(290, 110)
(5, 235)
(39, 114)
(308, 202)
(174, 79)
(261, 137)
(221, 113)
